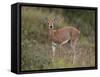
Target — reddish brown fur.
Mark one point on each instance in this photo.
(63, 34)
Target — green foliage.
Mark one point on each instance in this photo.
(36, 49)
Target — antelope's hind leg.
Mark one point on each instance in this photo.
(63, 43)
(73, 46)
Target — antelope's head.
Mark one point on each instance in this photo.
(51, 23)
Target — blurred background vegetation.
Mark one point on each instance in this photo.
(36, 49)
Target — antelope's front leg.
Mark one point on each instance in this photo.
(53, 51)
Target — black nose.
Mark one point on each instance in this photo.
(50, 26)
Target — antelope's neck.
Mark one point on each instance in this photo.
(51, 33)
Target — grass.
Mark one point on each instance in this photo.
(39, 57)
(36, 49)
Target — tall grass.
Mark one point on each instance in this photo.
(36, 49)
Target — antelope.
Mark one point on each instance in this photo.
(62, 36)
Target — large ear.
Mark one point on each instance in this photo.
(55, 19)
(58, 19)
(44, 19)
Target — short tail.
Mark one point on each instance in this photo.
(78, 27)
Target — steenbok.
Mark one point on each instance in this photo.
(62, 36)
